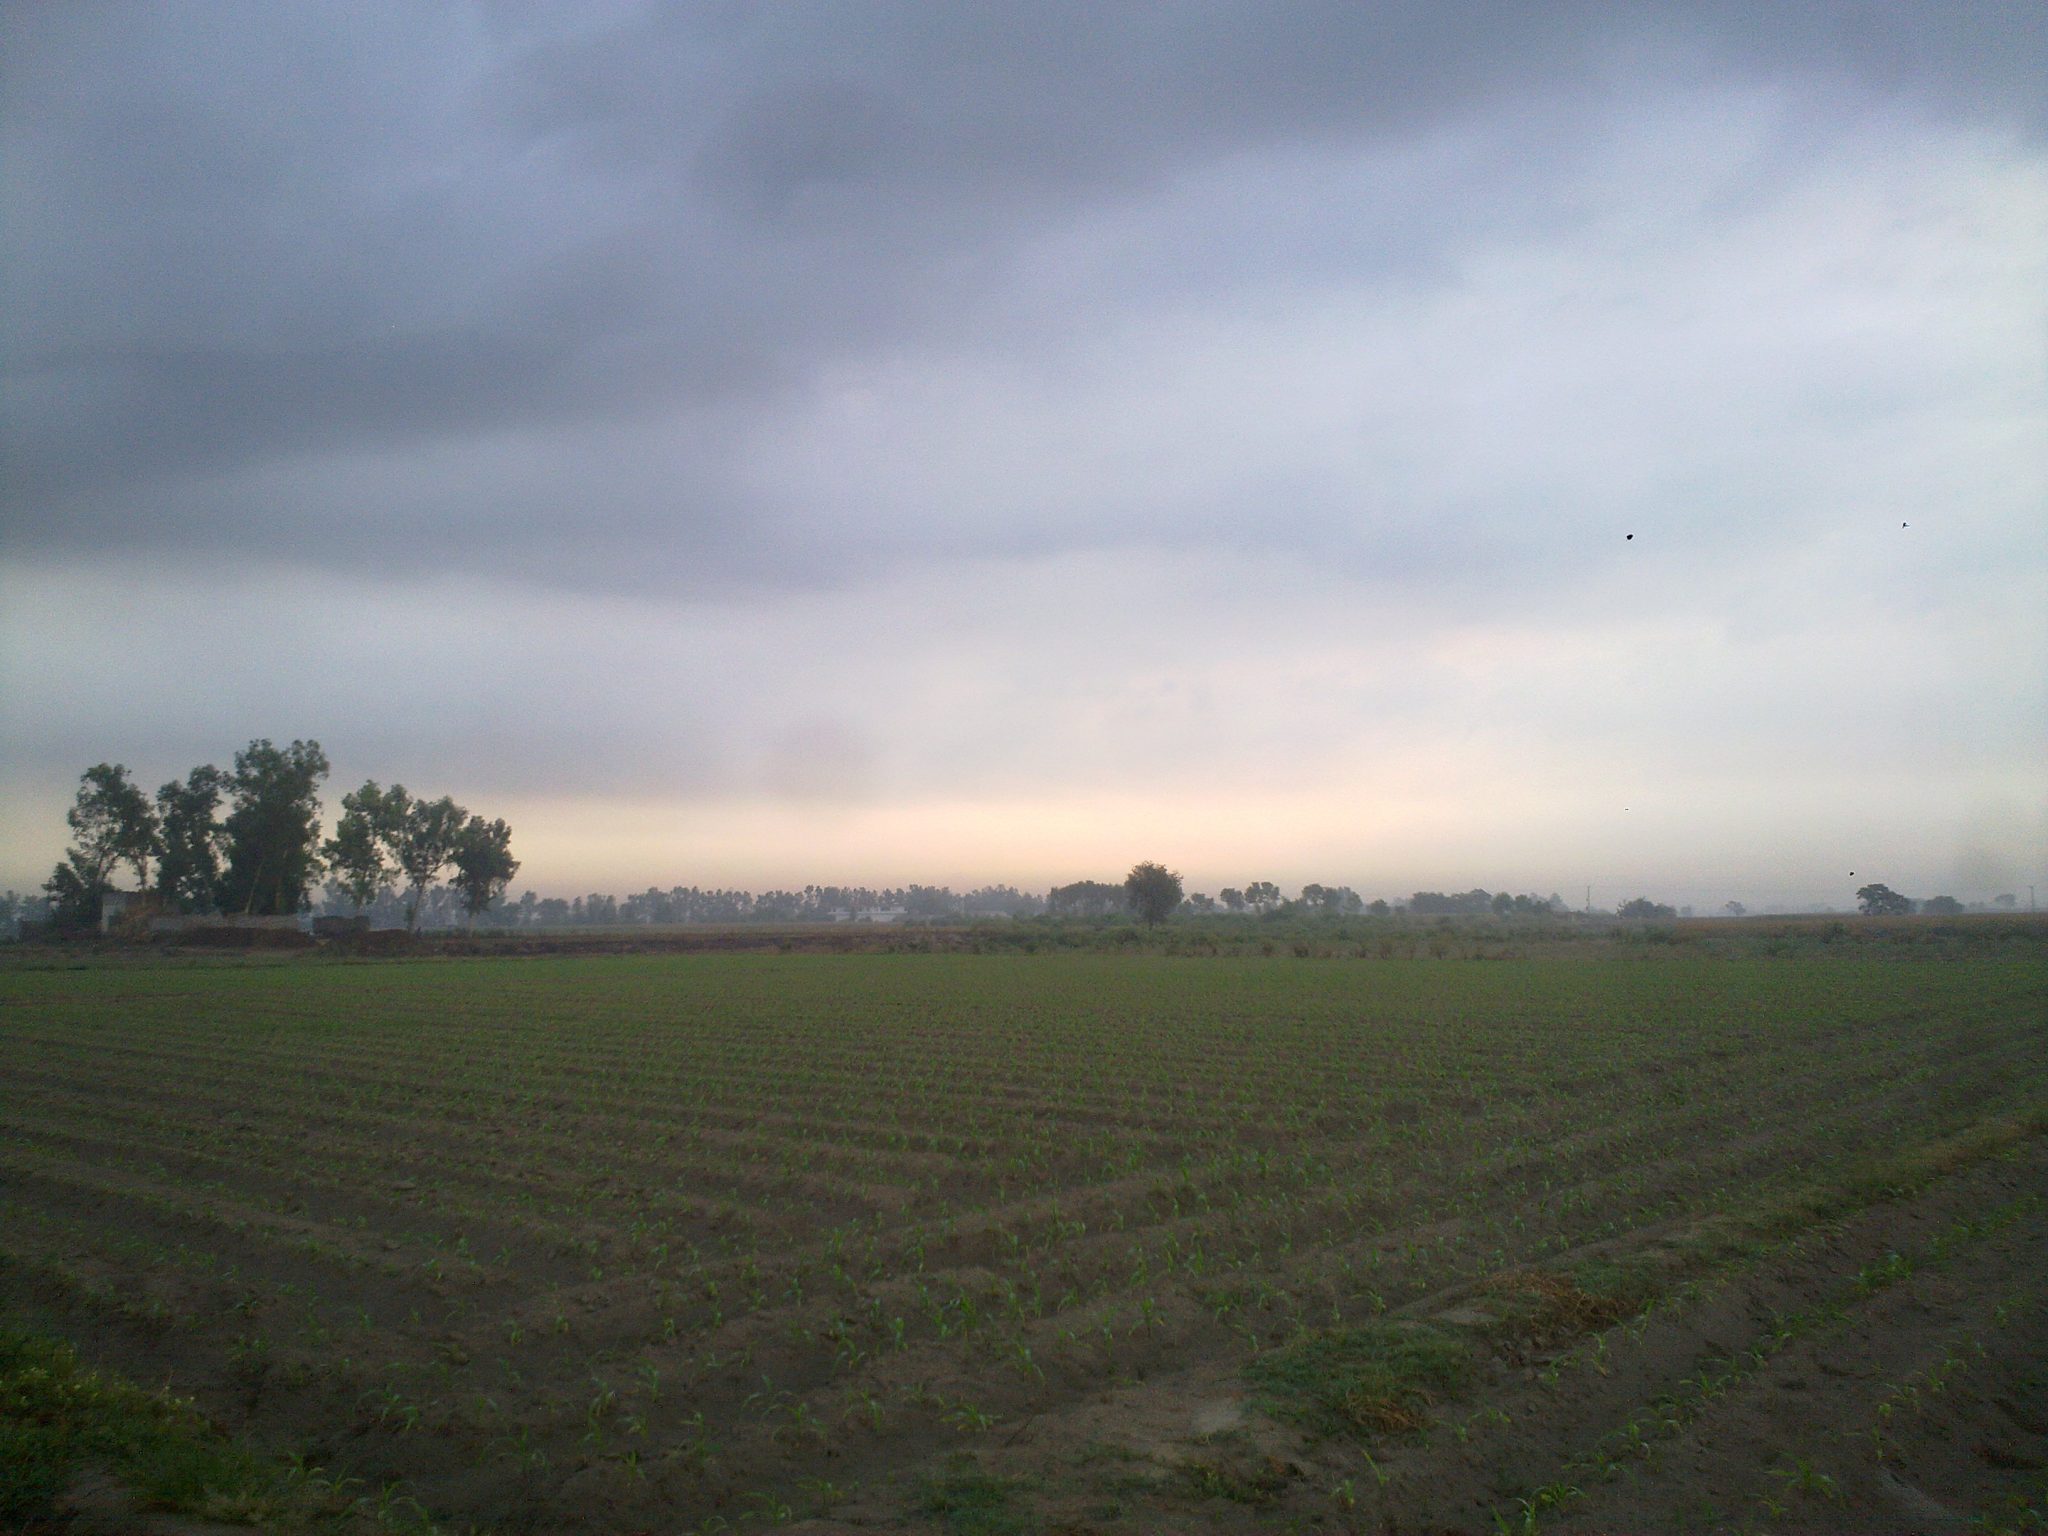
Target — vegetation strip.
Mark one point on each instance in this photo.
(61, 1422)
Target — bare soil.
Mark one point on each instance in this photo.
(1912, 1395)
(445, 1290)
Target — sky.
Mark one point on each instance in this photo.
(1406, 446)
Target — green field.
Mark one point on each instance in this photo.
(1003, 1242)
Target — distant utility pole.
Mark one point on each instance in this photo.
(1589, 899)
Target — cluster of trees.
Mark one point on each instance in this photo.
(258, 858)
(262, 856)
(1875, 900)
(1151, 891)
(1479, 901)
(1643, 909)
(1262, 897)
(387, 838)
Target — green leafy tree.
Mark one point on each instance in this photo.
(1941, 906)
(357, 856)
(484, 865)
(421, 836)
(1153, 891)
(112, 823)
(273, 832)
(188, 866)
(1642, 908)
(1882, 901)
(1262, 896)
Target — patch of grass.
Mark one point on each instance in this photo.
(1376, 1378)
(1623, 1285)
(58, 1419)
(975, 1504)
(1546, 1307)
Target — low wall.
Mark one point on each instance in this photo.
(239, 922)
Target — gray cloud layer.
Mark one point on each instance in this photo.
(251, 247)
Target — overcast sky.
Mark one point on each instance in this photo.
(1421, 445)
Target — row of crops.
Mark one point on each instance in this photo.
(563, 1243)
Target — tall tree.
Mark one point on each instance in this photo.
(421, 836)
(1153, 891)
(113, 819)
(273, 832)
(193, 840)
(356, 854)
(112, 823)
(484, 865)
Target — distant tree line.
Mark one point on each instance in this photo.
(1151, 893)
(692, 904)
(1476, 902)
(1085, 900)
(246, 841)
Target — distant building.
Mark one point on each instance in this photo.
(115, 905)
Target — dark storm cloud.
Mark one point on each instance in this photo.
(272, 268)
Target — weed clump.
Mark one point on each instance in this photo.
(1549, 1307)
(1377, 1378)
(60, 1421)
(970, 1503)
